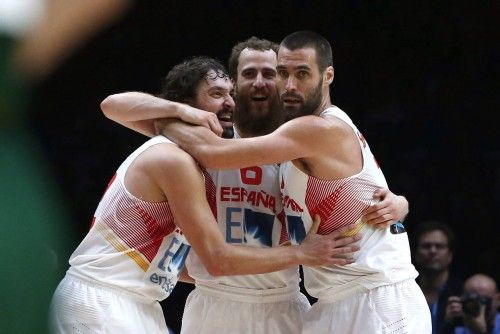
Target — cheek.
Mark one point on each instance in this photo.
(280, 85)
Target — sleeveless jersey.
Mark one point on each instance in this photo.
(383, 258)
(249, 213)
(132, 244)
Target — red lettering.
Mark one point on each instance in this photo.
(272, 203)
(262, 199)
(251, 175)
(224, 192)
(236, 192)
(251, 198)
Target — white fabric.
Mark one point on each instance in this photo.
(398, 308)
(132, 244)
(384, 258)
(249, 209)
(211, 311)
(86, 307)
(130, 259)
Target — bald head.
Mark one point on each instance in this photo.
(481, 284)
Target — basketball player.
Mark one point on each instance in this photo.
(266, 303)
(154, 209)
(331, 173)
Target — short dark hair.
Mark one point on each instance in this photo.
(434, 225)
(310, 39)
(253, 43)
(181, 82)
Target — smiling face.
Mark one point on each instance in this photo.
(214, 94)
(257, 105)
(300, 83)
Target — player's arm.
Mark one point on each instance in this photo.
(137, 111)
(182, 183)
(185, 277)
(298, 138)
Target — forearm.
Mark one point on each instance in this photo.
(137, 110)
(219, 153)
(185, 277)
(242, 260)
(199, 142)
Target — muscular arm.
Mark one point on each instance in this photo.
(182, 183)
(137, 111)
(298, 138)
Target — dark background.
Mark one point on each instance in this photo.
(418, 78)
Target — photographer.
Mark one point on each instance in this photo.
(433, 247)
(477, 307)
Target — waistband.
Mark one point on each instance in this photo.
(115, 289)
(286, 293)
(358, 290)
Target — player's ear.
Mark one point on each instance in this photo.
(328, 75)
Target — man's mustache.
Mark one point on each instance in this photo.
(291, 95)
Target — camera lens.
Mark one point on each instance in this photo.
(471, 303)
(471, 307)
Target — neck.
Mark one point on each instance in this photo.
(431, 283)
(326, 102)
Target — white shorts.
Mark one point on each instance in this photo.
(84, 306)
(274, 311)
(398, 308)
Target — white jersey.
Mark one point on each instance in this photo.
(249, 213)
(384, 258)
(132, 244)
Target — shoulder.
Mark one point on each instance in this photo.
(164, 156)
(306, 125)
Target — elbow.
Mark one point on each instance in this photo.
(215, 269)
(218, 265)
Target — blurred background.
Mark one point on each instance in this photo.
(420, 79)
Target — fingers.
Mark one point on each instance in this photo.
(380, 219)
(380, 193)
(341, 262)
(342, 241)
(453, 307)
(315, 225)
(214, 125)
(345, 231)
(376, 207)
(342, 255)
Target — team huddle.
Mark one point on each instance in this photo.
(235, 208)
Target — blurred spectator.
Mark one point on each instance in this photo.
(477, 307)
(35, 35)
(433, 253)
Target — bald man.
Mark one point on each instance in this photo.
(477, 307)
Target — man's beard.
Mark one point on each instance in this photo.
(251, 124)
(308, 107)
(432, 270)
(228, 132)
(226, 115)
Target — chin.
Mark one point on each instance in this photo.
(291, 113)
